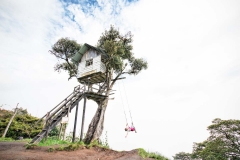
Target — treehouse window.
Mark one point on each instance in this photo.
(89, 62)
(103, 60)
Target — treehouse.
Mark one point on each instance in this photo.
(91, 64)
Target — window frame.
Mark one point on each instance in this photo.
(89, 62)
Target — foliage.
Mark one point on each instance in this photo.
(6, 139)
(52, 141)
(21, 126)
(104, 142)
(54, 132)
(30, 146)
(226, 133)
(155, 155)
(222, 144)
(51, 149)
(119, 48)
(64, 49)
(72, 147)
(182, 156)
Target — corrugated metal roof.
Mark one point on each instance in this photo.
(77, 57)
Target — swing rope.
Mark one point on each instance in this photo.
(127, 103)
(122, 104)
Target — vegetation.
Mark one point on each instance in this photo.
(120, 61)
(222, 144)
(6, 139)
(30, 146)
(104, 141)
(52, 141)
(21, 126)
(64, 49)
(155, 155)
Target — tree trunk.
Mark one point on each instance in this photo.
(95, 128)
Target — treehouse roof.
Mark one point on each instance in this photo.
(77, 57)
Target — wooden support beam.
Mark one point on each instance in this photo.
(59, 135)
(75, 124)
(119, 78)
(83, 117)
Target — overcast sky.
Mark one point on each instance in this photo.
(192, 48)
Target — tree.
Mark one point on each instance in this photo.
(118, 47)
(209, 150)
(227, 133)
(64, 49)
(223, 142)
(182, 156)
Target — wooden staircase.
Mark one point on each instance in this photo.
(54, 116)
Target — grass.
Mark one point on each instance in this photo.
(52, 141)
(6, 139)
(11, 140)
(30, 146)
(155, 155)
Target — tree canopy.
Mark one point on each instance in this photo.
(118, 48)
(222, 144)
(63, 50)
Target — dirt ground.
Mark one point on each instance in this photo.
(17, 151)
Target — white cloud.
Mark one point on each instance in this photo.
(193, 75)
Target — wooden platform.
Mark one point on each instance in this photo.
(93, 78)
(95, 96)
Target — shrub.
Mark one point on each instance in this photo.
(155, 155)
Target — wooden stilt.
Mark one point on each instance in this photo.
(83, 117)
(75, 124)
(64, 133)
(59, 136)
(47, 126)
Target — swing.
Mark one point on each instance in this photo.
(128, 128)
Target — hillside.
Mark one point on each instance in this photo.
(16, 150)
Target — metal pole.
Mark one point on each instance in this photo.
(83, 117)
(75, 124)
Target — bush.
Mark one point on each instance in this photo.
(51, 149)
(72, 147)
(155, 155)
(30, 146)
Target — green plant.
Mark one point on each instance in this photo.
(81, 143)
(23, 124)
(52, 141)
(104, 142)
(51, 149)
(155, 155)
(6, 139)
(72, 147)
(61, 148)
(30, 146)
(142, 153)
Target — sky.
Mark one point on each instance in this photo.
(192, 49)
